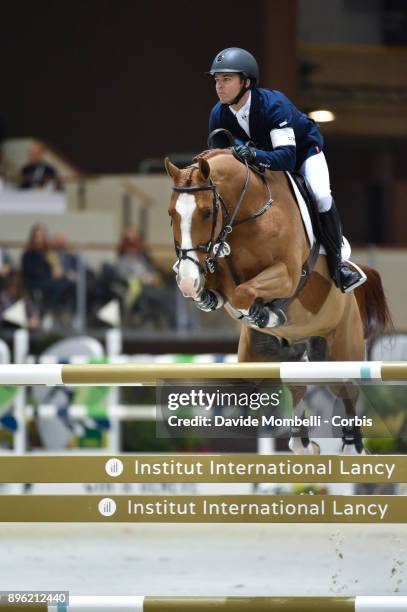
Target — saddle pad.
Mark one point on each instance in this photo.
(346, 250)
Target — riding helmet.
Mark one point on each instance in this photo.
(234, 59)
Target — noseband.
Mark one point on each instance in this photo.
(218, 247)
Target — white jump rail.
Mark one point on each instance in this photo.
(136, 374)
(229, 604)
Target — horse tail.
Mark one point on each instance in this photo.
(373, 306)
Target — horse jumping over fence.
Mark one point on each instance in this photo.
(241, 244)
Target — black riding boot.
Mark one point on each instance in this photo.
(346, 278)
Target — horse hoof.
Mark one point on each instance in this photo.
(350, 449)
(298, 448)
(316, 449)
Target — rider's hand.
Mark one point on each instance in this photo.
(244, 152)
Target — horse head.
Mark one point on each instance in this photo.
(193, 209)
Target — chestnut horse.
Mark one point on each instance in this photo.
(241, 244)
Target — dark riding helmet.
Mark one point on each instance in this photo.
(235, 59)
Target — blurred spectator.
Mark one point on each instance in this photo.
(38, 174)
(145, 294)
(43, 277)
(134, 261)
(8, 281)
(67, 258)
(69, 262)
(6, 269)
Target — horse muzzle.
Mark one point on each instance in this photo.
(189, 279)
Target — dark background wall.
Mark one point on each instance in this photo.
(109, 83)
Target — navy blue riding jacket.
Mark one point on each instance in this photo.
(283, 136)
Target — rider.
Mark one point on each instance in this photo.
(285, 139)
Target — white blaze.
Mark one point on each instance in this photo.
(189, 277)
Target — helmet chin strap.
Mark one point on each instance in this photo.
(241, 93)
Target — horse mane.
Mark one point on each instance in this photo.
(209, 153)
(185, 178)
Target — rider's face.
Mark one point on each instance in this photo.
(228, 85)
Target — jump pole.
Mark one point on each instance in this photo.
(225, 604)
(134, 374)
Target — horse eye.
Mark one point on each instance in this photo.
(207, 214)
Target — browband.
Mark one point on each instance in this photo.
(205, 187)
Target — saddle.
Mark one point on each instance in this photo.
(309, 199)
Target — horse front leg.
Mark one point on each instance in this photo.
(256, 346)
(273, 282)
(352, 443)
(347, 344)
(299, 442)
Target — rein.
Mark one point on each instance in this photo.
(218, 246)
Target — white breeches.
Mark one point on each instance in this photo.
(315, 170)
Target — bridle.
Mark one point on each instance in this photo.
(217, 247)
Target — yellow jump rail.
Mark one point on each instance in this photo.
(135, 374)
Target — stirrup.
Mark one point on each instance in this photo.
(362, 278)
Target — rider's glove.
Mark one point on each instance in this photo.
(244, 152)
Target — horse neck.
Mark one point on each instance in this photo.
(230, 179)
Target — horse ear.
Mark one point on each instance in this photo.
(204, 168)
(171, 169)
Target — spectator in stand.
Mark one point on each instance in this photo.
(67, 258)
(147, 294)
(133, 258)
(7, 272)
(42, 275)
(37, 173)
(72, 266)
(8, 281)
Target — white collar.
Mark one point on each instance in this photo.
(244, 111)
